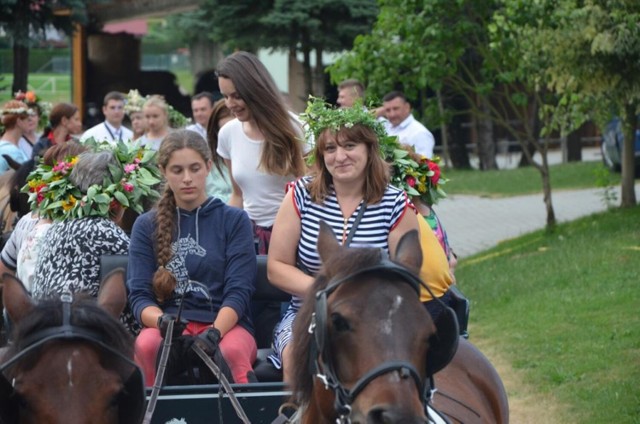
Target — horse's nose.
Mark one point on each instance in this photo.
(389, 414)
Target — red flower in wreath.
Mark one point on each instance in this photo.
(436, 173)
(411, 181)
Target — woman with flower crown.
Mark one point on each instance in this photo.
(156, 114)
(85, 197)
(133, 108)
(39, 107)
(15, 119)
(20, 252)
(195, 254)
(350, 191)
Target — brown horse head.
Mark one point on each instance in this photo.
(69, 362)
(371, 336)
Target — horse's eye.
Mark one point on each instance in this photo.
(339, 322)
(114, 402)
(22, 401)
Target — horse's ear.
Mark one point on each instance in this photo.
(327, 243)
(409, 252)
(16, 298)
(112, 296)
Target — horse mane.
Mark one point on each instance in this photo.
(85, 313)
(342, 263)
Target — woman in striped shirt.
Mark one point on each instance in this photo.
(352, 179)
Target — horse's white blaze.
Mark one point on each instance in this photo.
(387, 324)
(75, 354)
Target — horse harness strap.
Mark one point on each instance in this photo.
(64, 331)
(133, 398)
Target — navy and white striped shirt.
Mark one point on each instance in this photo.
(373, 230)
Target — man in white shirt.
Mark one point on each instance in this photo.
(201, 107)
(111, 129)
(399, 121)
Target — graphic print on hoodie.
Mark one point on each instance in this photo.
(213, 261)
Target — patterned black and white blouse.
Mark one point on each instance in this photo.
(69, 261)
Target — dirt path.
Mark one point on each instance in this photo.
(526, 405)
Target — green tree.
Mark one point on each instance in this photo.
(217, 27)
(317, 26)
(594, 50)
(296, 25)
(25, 21)
(481, 52)
(431, 49)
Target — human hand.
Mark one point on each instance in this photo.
(209, 340)
(178, 326)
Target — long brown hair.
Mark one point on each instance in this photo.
(377, 170)
(282, 150)
(164, 282)
(59, 111)
(220, 111)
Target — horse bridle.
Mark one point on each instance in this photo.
(132, 395)
(321, 363)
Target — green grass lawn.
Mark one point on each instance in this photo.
(564, 309)
(57, 87)
(53, 88)
(574, 175)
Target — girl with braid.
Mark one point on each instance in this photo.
(196, 251)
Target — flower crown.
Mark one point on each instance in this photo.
(135, 102)
(31, 99)
(319, 116)
(420, 178)
(17, 111)
(54, 196)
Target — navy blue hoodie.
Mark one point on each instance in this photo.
(213, 260)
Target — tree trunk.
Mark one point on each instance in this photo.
(574, 146)
(629, 122)
(204, 55)
(443, 131)
(528, 148)
(20, 68)
(486, 142)
(318, 73)
(546, 190)
(306, 66)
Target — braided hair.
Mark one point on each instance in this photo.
(164, 282)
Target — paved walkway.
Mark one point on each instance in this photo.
(475, 223)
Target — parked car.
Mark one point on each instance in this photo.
(611, 145)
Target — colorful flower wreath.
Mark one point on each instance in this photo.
(32, 99)
(422, 178)
(54, 196)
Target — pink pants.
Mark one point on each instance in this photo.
(237, 346)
